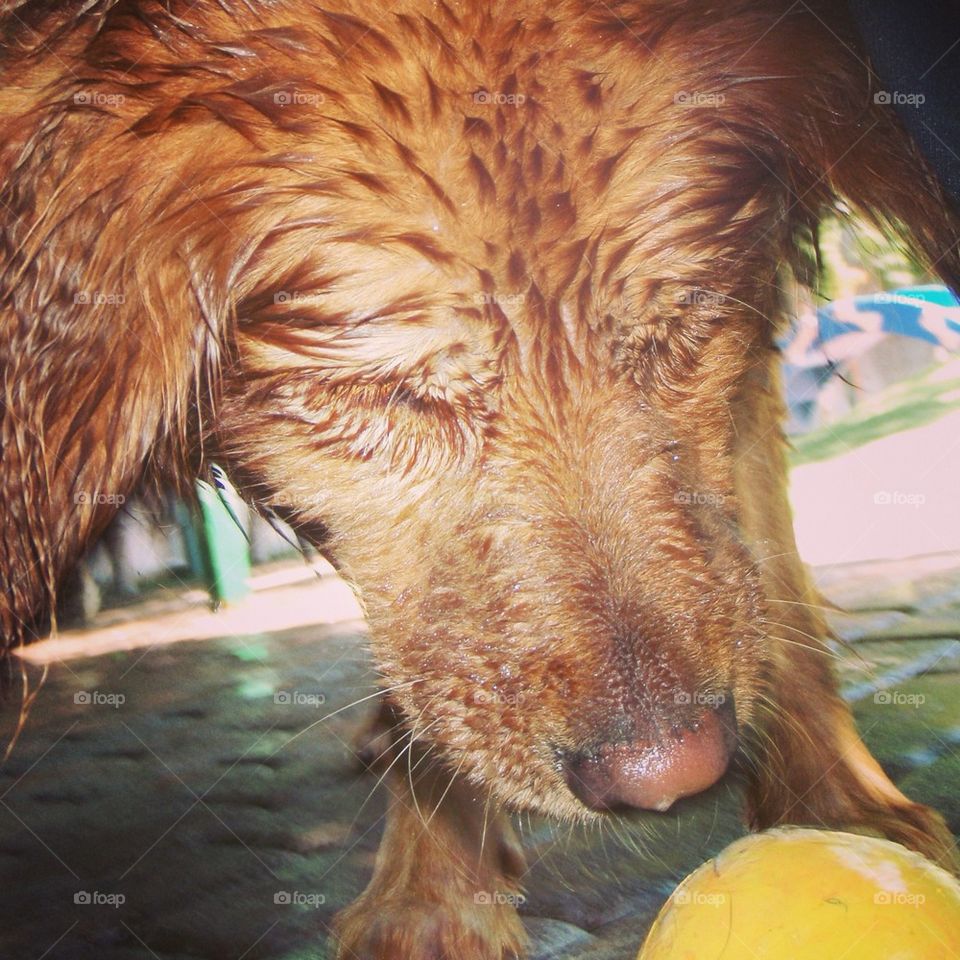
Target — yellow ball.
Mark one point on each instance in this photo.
(799, 894)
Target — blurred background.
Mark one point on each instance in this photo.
(185, 785)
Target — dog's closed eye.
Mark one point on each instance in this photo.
(406, 396)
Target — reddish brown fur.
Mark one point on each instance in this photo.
(531, 301)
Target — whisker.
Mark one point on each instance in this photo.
(355, 703)
(443, 796)
(812, 606)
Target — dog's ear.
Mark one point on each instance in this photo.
(884, 177)
(870, 163)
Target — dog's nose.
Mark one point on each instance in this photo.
(653, 773)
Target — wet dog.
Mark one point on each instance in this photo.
(485, 297)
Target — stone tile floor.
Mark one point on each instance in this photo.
(165, 803)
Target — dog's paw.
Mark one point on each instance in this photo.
(408, 929)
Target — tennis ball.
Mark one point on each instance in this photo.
(800, 894)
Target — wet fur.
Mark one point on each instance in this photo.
(471, 294)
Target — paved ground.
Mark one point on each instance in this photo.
(189, 802)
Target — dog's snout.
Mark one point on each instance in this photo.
(651, 773)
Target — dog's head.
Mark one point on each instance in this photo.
(545, 537)
(508, 345)
(493, 301)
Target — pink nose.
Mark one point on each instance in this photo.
(651, 774)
